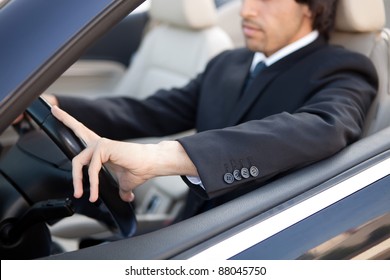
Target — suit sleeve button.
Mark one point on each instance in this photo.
(254, 171)
(228, 178)
(245, 173)
(237, 175)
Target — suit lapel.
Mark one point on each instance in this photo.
(265, 78)
(236, 82)
(253, 92)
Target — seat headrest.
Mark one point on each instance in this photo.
(360, 15)
(185, 13)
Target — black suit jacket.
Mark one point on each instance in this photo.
(301, 109)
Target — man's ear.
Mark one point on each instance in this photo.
(307, 12)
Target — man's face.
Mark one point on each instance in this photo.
(269, 25)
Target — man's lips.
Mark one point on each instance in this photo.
(250, 30)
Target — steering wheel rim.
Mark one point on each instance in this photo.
(122, 212)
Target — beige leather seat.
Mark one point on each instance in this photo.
(360, 26)
(229, 20)
(175, 50)
(387, 10)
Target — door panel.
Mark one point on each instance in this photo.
(345, 230)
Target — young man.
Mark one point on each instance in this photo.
(308, 102)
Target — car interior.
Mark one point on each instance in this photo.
(186, 41)
(360, 26)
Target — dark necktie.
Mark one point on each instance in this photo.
(252, 75)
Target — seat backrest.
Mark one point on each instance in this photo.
(360, 27)
(184, 36)
(387, 10)
(176, 49)
(229, 19)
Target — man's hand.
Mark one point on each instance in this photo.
(131, 163)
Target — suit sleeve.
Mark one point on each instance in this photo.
(329, 120)
(165, 112)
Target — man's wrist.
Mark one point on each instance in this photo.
(174, 159)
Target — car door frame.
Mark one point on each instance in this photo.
(188, 238)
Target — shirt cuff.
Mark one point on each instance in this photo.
(195, 180)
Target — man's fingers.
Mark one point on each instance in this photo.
(84, 158)
(96, 154)
(78, 128)
(78, 163)
(126, 195)
(90, 157)
(77, 174)
(95, 166)
(18, 119)
(65, 118)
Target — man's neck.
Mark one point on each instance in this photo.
(285, 51)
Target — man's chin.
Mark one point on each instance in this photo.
(253, 46)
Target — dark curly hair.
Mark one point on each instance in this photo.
(324, 13)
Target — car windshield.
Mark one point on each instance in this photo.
(22, 44)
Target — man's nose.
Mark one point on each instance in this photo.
(248, 9)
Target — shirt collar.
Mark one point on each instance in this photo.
(283, 52)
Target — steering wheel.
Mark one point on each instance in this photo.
(122, 213)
